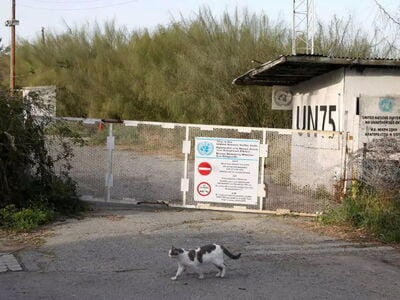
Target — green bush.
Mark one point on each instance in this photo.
(368, 209)
(31, 191)
(181, 72)
(25, 219)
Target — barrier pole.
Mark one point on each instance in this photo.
(264, 139)
(110, 146)
(185, 167)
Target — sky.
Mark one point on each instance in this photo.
(56, 15)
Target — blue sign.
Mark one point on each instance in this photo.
(205, 148)
(386, 105)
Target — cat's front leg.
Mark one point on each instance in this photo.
(180, 270)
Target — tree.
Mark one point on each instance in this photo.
(394, 18)
(389, 30)
(177, 73)
(4, 65)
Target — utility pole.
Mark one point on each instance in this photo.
(43, 38)
(12, 23)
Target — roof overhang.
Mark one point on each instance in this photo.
(293, 69)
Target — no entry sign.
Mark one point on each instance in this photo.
(204, 168)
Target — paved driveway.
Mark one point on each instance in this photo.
(122, 254)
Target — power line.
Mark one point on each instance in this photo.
(81, 8)
(67, 2)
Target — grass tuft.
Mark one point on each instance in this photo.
(370, 210)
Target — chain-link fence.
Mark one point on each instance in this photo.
(136, 161)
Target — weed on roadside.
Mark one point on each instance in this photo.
(369, 210)
(25, 219)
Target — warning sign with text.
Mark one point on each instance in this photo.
(379, 118)
(226, 170)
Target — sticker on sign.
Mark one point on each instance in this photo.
(204, 189)
(204, 168)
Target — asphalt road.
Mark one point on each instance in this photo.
(123, 254)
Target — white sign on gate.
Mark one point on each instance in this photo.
(226, 170)
(379, 118)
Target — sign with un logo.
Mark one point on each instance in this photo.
(226, 170)
(386, 105)
(379, 118)
(205, 148)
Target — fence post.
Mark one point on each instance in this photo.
(346, 137)
(264, 139)
(109, 174)
(185, 181)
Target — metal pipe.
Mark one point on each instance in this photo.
(185, 167)
(263, 167)
(110, 164)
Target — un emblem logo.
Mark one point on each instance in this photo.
(385, 105)
(205, 148)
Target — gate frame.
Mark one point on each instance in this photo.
(186, 149)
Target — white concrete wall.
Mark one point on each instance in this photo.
(333, 97)
(319, 99)
(318, 105)
(367, 82)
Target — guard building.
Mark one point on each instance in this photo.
(338, 105)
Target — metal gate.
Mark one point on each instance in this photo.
(136, 161)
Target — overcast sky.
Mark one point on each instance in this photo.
(134, 14)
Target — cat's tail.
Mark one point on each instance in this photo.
(230, 255)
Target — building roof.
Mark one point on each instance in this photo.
(292, 69)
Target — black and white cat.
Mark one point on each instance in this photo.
(209, 254)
